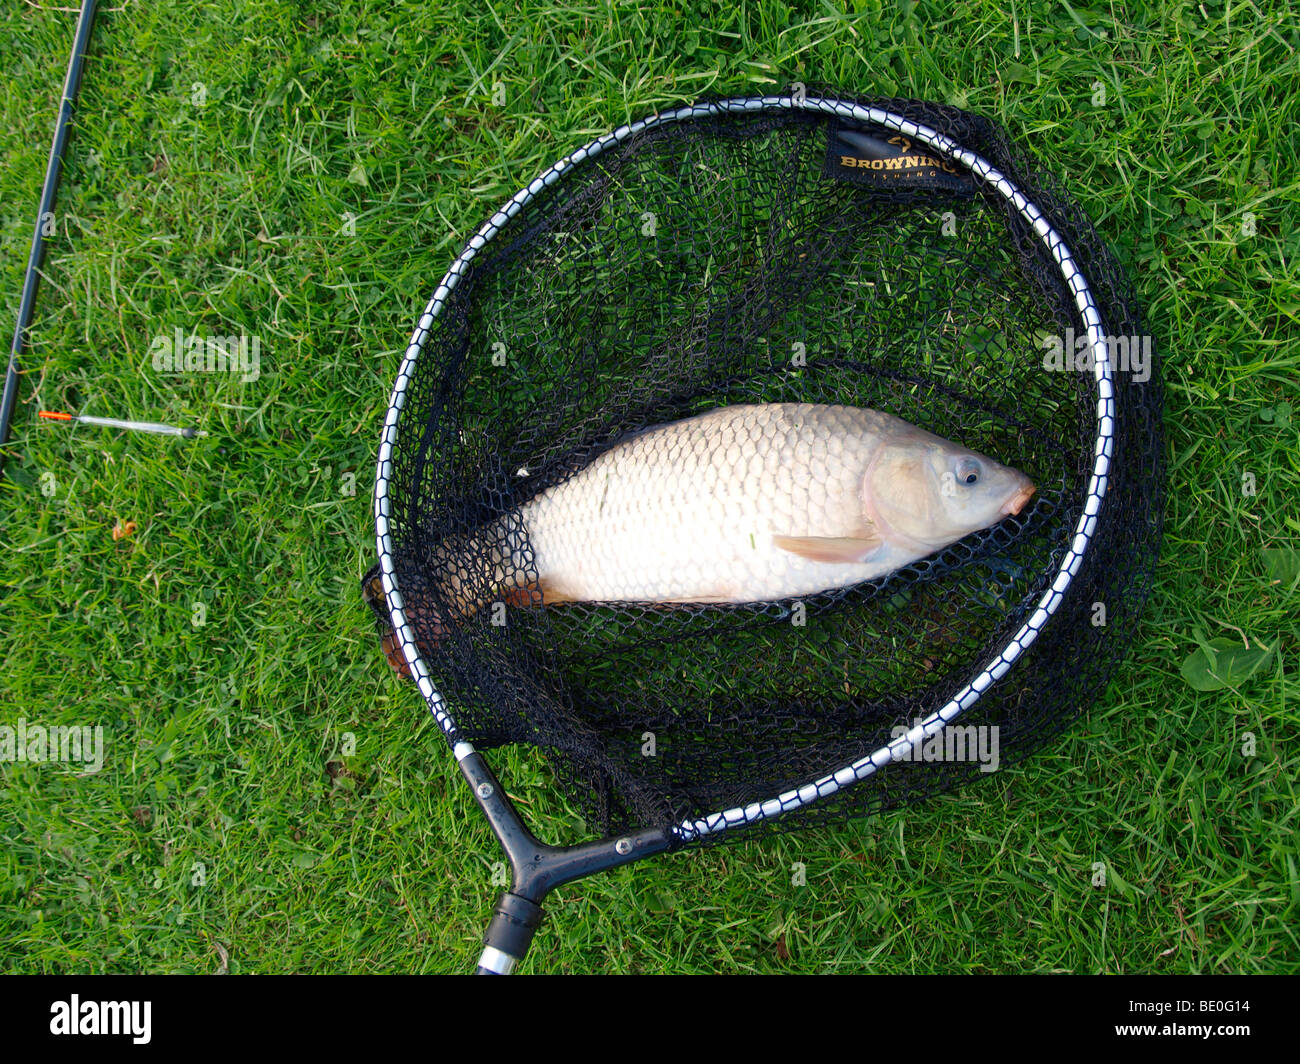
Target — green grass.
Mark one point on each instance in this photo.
(221, 157)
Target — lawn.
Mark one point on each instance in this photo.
(274, 799)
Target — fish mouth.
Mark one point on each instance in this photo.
(1017, 501)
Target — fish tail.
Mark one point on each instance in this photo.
(477, 570)
(421, 612)
(473, 570)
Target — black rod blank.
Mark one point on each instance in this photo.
(48, 192)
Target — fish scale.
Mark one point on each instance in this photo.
(688, 512)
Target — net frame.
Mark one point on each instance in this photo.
(712, 824)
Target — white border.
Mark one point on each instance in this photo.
(994, 669)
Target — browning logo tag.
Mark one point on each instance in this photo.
(891, 160)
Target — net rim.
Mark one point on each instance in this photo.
(993, 670)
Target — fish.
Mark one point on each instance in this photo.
(743, 503)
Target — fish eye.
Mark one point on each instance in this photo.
(968, 471)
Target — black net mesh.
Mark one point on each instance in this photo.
(712, 261)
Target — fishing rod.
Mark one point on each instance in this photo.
(37, 256)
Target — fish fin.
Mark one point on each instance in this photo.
(552, 594)
(555, 594)
(539, 593)
(372, 591)
(719, 596)
(632, 434)
(520, 597)
(844, 550)
(393, 652)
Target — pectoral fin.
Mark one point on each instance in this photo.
(844, 550)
